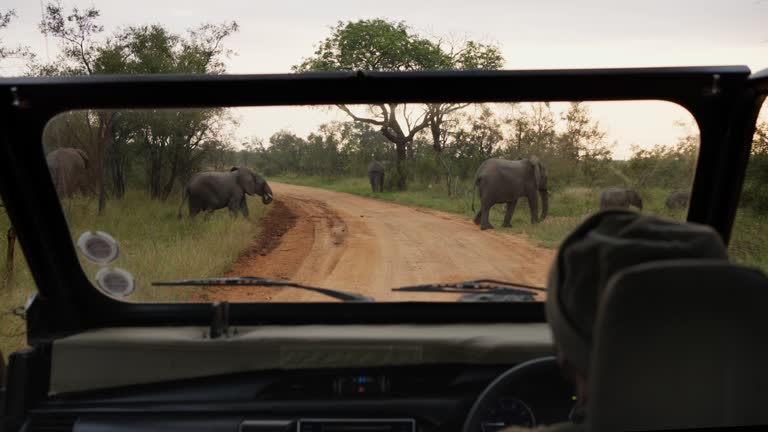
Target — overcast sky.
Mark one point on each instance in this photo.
(274, 35)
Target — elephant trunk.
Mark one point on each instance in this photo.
(267, 197)
(544, 203)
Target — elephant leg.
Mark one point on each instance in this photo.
(244, 208)
(533, 203)
(477, 217)
(485, 209)
(381, 183)
(510, 211)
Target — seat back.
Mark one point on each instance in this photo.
(680, 344)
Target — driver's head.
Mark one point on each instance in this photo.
(603, 245)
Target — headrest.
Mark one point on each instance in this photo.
(604, 244)
(680, 344)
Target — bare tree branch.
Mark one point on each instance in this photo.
(361, 119)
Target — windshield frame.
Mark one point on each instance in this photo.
(719, 98)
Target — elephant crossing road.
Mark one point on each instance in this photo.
(213, 190)
(506, 181)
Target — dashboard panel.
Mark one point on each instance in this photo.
(430, 397)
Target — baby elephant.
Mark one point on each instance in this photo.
(678, 199)
(210, 191)
(620, 198)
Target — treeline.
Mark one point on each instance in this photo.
(158, 150)
(572, 145)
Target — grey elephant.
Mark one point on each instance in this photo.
(376, 176)
(678, 199)
(620, 198)
(69, 171)
(506, 181)
(212, 190)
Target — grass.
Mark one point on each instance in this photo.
(155, 245)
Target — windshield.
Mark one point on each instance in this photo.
(329, 197)
(317, 214)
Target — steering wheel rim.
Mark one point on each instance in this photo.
(501, 384)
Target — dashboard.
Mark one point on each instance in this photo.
(384, 399)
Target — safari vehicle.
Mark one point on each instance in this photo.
(96, 362)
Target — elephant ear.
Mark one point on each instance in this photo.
(85, 157)
(246, 180)
(537, 171)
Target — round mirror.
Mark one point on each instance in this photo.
(98, 247)
(115, 282)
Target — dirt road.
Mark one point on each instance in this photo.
(343, 241)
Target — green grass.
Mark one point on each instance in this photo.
(155, 245)
(749, 243)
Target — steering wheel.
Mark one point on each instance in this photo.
(524, 372)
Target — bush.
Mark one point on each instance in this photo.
(755, 193)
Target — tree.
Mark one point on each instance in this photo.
(5, 51)
(760, 139)
(532, 131)
(584, 142)
(77, 33)
(754, 191)
(468, 140)
(668, 166)
(172, 144)
(382, 45)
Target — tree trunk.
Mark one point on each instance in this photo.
(104, 138)
(449, 183)
(434, 127)
(117, 170)
(409, 154)
(11, 237)
(402, 171)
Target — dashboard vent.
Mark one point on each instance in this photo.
(50, 423)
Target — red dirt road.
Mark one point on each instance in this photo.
(337, 240)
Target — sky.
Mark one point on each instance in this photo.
(274, 35)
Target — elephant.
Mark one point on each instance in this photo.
(678, 199)
(620, 198)
(69, 171)
(212, 190)
(376, 176)
(505, 181)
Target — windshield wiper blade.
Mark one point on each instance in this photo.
(258, 281)
(480, 290)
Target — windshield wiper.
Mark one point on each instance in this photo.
(258, 281)
(480, 290)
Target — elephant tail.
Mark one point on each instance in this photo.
(183, 200)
